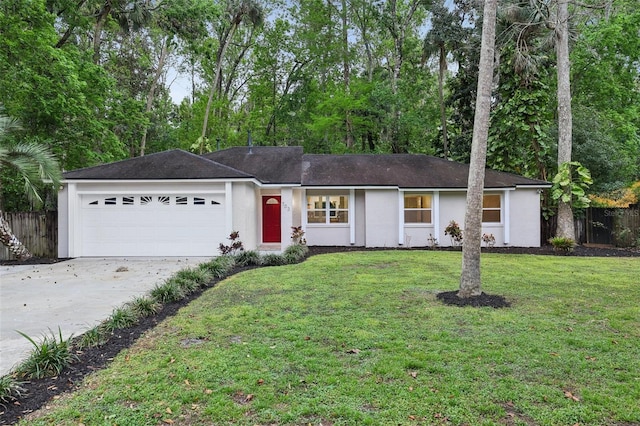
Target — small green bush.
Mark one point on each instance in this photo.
(97, 336)
(10, 389)
(295, 253)
(167, 292)
(248, 258)
(145, 306)
(187, 286)
(562, 245)
(197, 275)
(48, 357)
(122, 317)
(215, 268)
(273, 259)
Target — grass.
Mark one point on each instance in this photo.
(359, 339)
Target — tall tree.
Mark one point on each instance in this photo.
(565, 227)
(238, 11)
(33, 163)
(443, 37)
(470, 280)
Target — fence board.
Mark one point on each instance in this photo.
(38, 231)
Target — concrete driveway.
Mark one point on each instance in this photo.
(74, 295)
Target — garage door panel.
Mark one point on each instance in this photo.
(167, 225)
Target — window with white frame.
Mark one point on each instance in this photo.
(417, 208)
(491, 208)
(327, 209)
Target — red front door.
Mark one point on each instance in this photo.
(271, 219)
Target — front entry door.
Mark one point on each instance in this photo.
(271, 219)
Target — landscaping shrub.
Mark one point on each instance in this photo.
(218, 268)
(167, 292)
(197, 275)
(248, 258)
(144, 306)
(295, 253)
(97, 336)
(10, 389)
(48, 357)
(562, 245)
(122, 317)
(273, 259)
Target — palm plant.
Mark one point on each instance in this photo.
(34, 164)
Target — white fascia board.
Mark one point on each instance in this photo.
(545, 186)
(120, 181)
(278, 185)
(346, 187)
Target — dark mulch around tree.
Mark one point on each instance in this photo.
(484, 300)
(39, 392)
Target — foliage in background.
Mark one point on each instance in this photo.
(570, 185)
(619, 198)
(93, 82)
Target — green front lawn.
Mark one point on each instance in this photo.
(359, 338)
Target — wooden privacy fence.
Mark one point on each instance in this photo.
(38, 231)
(602, 225)
(613, 226)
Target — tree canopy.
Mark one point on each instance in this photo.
(92, 80)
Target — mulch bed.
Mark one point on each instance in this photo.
(39, 392)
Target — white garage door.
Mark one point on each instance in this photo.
(152, 225)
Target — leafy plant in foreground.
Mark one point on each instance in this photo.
(10, 389)
(120, 318)
(273, 259)
(234, 247)
(248, 258)
(198, 276)
(145, 306)
(167, 292)
(97, 336)
(562, 245)
(219, 267)
(295, 253)
(489, 240)
(453, 230)
(48, 357)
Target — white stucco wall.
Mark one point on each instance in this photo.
(245, 214)
(381, 210)
(452, 207)
(63, 222)
(525, 218)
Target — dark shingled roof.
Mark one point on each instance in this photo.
(401, 170)
(174, 164)
(268, 164)
(289, 165)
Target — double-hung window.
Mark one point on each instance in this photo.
(417, 208)
(327, 209)
(491, 208)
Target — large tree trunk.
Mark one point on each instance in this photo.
(470, 283)
(8, 239)
(565, 214)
